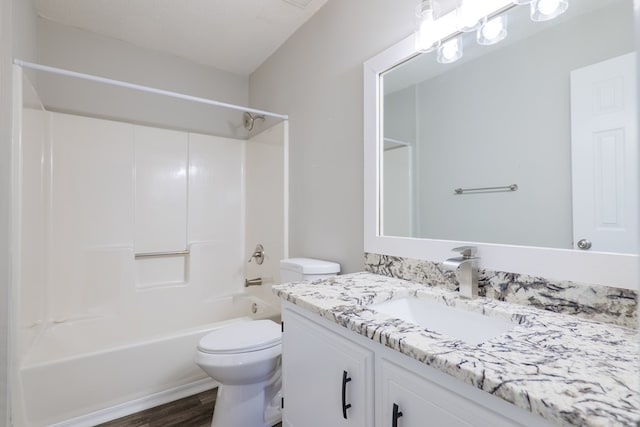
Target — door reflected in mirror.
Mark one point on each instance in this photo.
(550, 109)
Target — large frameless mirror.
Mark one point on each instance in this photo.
(516, 132)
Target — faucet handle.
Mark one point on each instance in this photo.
(466, 251)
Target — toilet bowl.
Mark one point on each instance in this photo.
(245, 359)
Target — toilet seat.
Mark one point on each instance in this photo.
(243, 337)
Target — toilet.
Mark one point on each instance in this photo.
(299, 269)
(244, 358)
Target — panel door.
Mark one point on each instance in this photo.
(604, 151)
(317, 365)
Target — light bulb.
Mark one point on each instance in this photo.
(545, 10)
(468, 15)
(426, 36)
(493, 30)
(450, 51)
(548, 7)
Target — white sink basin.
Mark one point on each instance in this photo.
(473, 328)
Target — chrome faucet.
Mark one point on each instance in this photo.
(466, 270)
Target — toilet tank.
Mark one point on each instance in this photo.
(298, 269)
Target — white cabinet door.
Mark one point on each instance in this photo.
(327, 379)
(408, 399)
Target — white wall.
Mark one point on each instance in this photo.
(5, 209)
(17, 35)
(265, 198)
(316, 78)
(83, 51)
(398, 193)
(399, 115)
(5, 205)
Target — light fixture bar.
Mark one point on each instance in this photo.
(447, 25)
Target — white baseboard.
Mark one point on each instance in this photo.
(137, 405)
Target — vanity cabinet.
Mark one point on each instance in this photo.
(327, 379)
(316, 354)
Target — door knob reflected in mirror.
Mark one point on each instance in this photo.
(584, 244)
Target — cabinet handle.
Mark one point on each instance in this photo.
(396, 414)
(345, 405)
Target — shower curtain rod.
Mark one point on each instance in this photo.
(142, 88)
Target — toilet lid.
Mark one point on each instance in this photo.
(242, 337)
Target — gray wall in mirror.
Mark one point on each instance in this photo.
(500, 118)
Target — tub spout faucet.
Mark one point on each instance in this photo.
(252, 282)
(466, 270)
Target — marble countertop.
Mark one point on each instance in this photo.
(569, 371)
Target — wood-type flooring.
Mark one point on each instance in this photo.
(192, 411)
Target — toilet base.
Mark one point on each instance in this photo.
(244, 405)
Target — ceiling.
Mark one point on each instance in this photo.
(231, 35)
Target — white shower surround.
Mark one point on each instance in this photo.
(92, 340)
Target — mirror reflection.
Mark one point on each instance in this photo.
(530, 141)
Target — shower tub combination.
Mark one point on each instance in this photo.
(107, 322)
(67, 380)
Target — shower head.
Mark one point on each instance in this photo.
(248, 119)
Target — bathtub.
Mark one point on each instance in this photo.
(82, 373)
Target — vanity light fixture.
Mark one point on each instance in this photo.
(450, 51)
(545, 10)
(427, 35)
(492, 30)
(472, 15)
(468, 15)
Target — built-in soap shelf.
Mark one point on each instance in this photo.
(162, 268)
